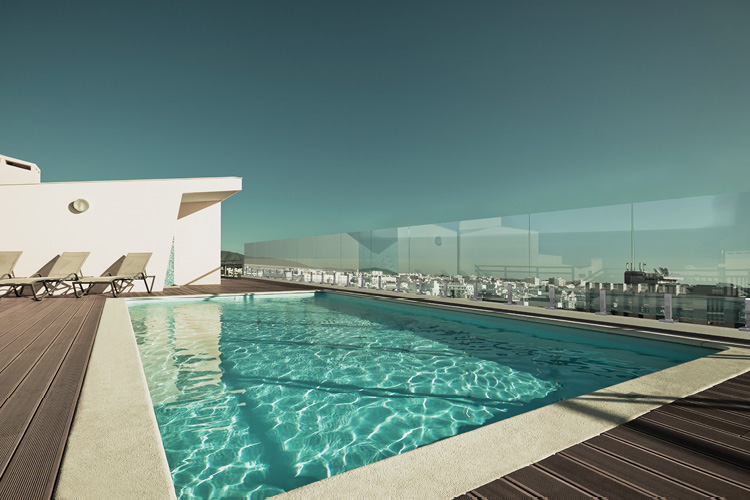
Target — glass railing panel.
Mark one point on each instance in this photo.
(273, 251)
(289, 252)
(570, 248)
(251, 259)
(384, 250)
(364, 241)
(329, 251)
(402, 234)
(433, 249)
(698, 249)
(262, 252)
(307, 251)
(349, 252)
(493, 252)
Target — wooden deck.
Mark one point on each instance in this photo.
(697, 447)
(44, 351)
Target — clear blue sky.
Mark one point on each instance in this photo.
(351, 115)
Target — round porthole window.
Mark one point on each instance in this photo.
(80, 205)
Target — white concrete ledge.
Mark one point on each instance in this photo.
(114, 449)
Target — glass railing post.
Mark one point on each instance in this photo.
(667, 309)
(746, 328)
(552, 297)
(475, 295)
(603, 303)
(509, 302)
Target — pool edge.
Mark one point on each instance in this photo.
(114, 444)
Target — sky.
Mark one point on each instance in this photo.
(354, 115)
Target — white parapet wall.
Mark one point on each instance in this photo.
(122, 217)
(15, 171)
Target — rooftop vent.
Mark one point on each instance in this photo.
(15, 171)
(18, 164)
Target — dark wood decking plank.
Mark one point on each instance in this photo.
(663, 477)
(728, 399)
(724, 405)
(737, 395)
(740, 386)
(714, 411)
(688, 427)
(33, 468)
(15, 364)
(678, 462)
(503, 488)
(25, 312)
(24, 331)
(696, 442)
(9, 307)
(592, 479)
(542, 485)
(19, 409)
(720, 391)
(704, 419)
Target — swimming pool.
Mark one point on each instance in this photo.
(255, 395)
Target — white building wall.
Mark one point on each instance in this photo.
(197, 248)
(15, 171)
(124, 217)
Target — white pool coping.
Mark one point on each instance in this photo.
(114, 449)
(115, 445)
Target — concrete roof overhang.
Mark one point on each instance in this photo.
(195, 201)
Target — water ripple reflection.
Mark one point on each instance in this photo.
(255, 397)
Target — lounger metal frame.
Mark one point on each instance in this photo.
(66, 260)
(46, 281)
(124, 282)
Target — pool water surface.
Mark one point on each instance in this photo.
(257, 395)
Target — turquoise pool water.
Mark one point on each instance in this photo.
(256, 395)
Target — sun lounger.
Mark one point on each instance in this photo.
(66, 268)
(132, 268)
(7, 263)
